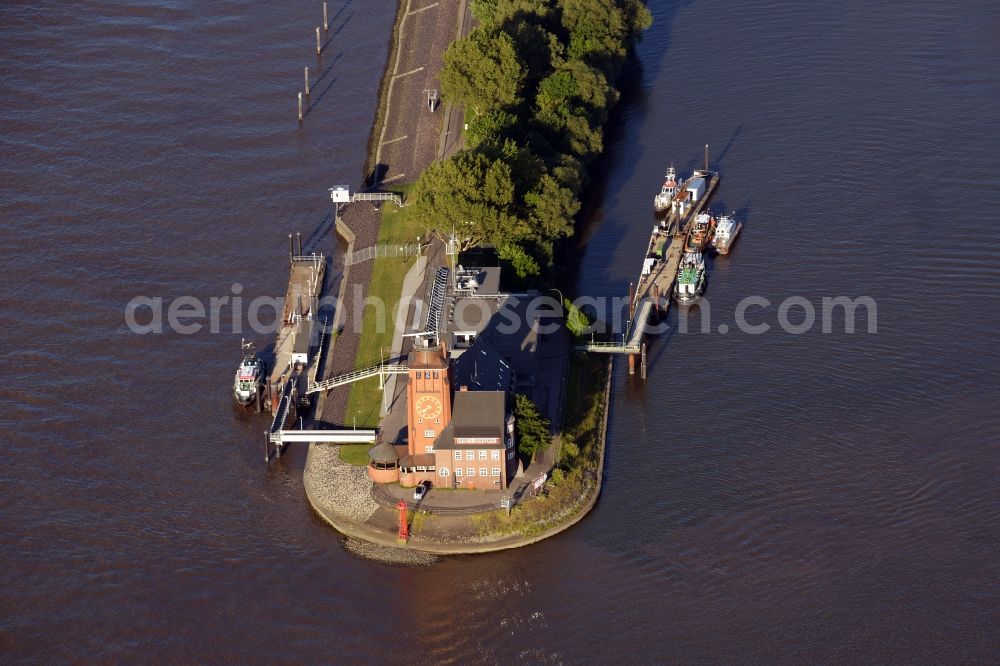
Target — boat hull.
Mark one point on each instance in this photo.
(725, 247)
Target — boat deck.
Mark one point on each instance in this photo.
(305, 280)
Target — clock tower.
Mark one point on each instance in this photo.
(428, 397)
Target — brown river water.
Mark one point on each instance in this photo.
(813, 497)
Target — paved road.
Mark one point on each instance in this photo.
(454, 115)
(411, 132)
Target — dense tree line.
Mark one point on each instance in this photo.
(537, 76)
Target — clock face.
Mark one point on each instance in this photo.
(428, 407)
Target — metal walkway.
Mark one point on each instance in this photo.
(377, 196)
(380, 370)
(630, 344)
(283, 437)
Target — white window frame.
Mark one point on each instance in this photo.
(495, 454)
(458, 455)
(482, 454)
(471, 471)
(470, 455)
(495, 471)
(443, 471)
(429, 433)
(483, 471)
(428, 448)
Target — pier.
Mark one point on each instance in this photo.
(300, 329)
(649, 299)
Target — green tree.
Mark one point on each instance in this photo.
(483, 71)
(491, 127)
(552, 209)
(598, 32)
(496, 12)
(531, 428)
(471, 196)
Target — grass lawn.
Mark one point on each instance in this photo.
(398, 226)
(355, 454)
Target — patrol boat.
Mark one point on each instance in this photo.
(661, 201)
(248, 384)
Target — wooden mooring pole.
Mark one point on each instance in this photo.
(300, 107)
(267, 450)
(643, 361)
(307, 81)
(326, 19)
(319, 44)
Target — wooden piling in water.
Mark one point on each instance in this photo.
(319, 44)
(631, 364)
(643, 361)
(300, 109)
(326, 19)
(307, 80)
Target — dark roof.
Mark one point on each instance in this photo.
(475, 414)
(481, 368)
(383, 453)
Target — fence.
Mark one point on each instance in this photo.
(383, 250)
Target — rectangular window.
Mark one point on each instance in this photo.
(428, 449)
(429, 433)
(510, 455)
(483, 471)
(494, 455)
(458, 471)
(470, 471)
(458, 455)
(495, 471)
(470, 455)
(482, 455)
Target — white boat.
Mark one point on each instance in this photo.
(690, 283)
(727, 228)
(661, 201)
(249, 381)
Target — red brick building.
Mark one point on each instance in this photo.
(465, 441)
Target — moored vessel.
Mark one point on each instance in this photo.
(700, 233)
(690, 283)
(726, 229)
(249, 380)
(661, 201)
